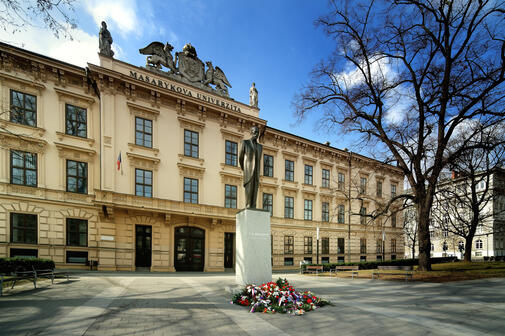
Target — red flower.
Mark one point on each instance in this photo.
(309, 301)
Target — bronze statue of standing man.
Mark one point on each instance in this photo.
(250, 162)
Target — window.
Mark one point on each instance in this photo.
(393, 257)
(288, 262)
(268, 165)
(445, 233)
(340, 260)
(24, 253)
(325, 215)
(268, 200)
(76, 121)
(289, 173)
(143, 132)
(461, 246)
(379, 246)
(190, 190)
(190, 143)
(362, 258)
(230, 196)
(77, 257)
(393, 190)
(308, 260)
(23, 228)
(362, 215)
(307, 210)
(77, 177)
(341, 214)
(325, 183)
(362, 185)
(325, 245)
(307, 245)
(23, 108)
(393, 219)
(288, 244)
(325, 260)
(23, 168)
(77, 232)
(231, 153)
(308, 174)
(432, 247)
(143, 183)
(393, 245)
(340, 245)
(445, 247)
(362, 245)
(341, 181)
(478, 244)
(289, 207)
(379, 188)
(379, 258)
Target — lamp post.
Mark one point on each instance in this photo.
(317, 245)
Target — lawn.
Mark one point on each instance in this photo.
(454, 271)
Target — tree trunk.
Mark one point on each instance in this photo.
(423, 215)
(468, 248)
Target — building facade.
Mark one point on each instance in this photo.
(124, 166)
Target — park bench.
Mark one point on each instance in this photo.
(352, 269)
(393, 270)
(30, 275)
(313, 269)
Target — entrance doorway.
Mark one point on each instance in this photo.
(143, 237)
(189, 248)
(229, 240)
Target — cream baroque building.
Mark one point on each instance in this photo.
(128, 168)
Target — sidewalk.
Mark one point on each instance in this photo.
(97, 303)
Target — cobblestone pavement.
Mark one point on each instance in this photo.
(97, 303)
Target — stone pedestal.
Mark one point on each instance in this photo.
(253, 256)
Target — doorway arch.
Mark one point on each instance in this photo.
(189, 248)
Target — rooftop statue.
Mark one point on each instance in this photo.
(253, 96)
(160, 55)
(105, 41)
(186, 67)
(217, 77)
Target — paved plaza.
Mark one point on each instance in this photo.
(104, 304)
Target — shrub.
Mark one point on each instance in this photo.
(18, 264)
(370, 264)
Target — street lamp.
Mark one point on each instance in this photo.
(317, 245)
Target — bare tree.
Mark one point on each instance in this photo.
(54, 15)
(464, 202)
(405, 74)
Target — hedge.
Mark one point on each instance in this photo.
(18, 264)
(370, 264)
(373, 264)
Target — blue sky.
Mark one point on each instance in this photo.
(272, 43)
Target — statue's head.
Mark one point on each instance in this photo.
(104, 25)
(255, 132)
(253, 84)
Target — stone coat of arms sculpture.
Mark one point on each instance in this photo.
(187, 67)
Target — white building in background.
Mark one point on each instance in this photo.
(489, 240)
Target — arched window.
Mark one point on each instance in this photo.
(478, 244)
(432, 247)
(445, 247)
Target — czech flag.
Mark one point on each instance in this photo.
(119, 161)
